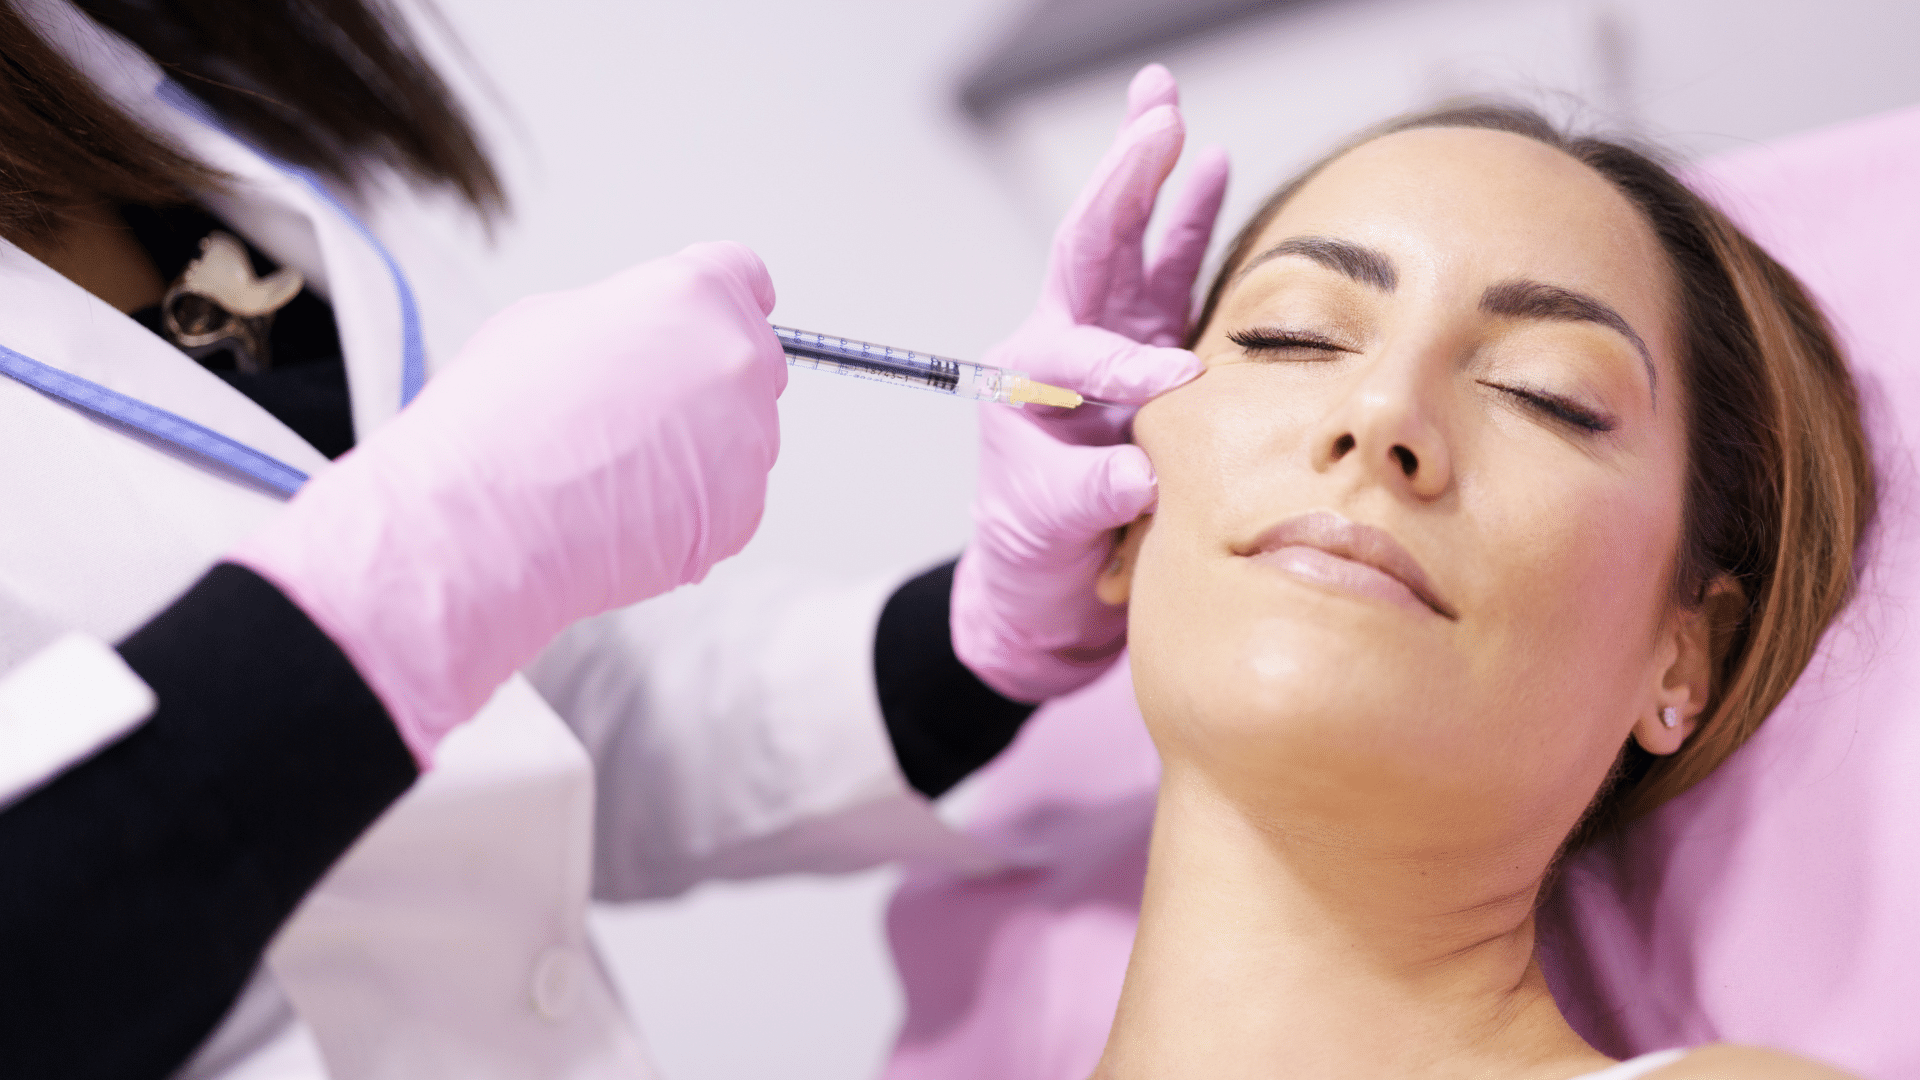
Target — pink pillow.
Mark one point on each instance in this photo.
(1778, 903)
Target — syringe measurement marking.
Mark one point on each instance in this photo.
(880, 363)
(933, 379)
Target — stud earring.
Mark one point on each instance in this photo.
(1670, 716)
(1114, 564)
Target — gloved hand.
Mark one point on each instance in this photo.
(586, 450)
(1054, 483)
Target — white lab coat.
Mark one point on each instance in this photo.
(731, 734)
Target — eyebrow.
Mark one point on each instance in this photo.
(1362, 264)
(1535, 300)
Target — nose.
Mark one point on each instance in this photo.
(1386, 426)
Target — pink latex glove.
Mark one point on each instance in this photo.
(587, 449)
(1055, 483)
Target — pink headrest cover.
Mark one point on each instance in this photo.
(1778, 903)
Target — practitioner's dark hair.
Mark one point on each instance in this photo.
(334, 85)
(1780, 486)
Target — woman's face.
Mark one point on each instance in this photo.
(1417, 523)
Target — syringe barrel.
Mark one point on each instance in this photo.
(866, 360)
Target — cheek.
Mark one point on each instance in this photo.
(1573, 587)
(1196, 647)
(1226, 441)
(1201, 664)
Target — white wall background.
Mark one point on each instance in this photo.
(821, 132)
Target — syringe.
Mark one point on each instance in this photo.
(864, 360)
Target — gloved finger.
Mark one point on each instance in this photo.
(1102, 233)
(1170, 278)
(1120, 486)
(1152, 86)
(1056, 497)
(1098, 363)
(737, 262)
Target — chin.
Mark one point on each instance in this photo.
(1280, 696)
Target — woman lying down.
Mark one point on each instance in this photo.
(1517, 491)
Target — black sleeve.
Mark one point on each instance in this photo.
(139, 888)
(944, 722)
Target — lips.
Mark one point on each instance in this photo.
(1324, 548)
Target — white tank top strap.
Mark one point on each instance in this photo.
(1637, 1067)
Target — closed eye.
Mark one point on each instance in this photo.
(1558, 408)
(1271, 341)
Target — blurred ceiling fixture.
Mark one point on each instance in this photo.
(1059, 40)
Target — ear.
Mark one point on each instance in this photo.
(1689, 654)
(1115, 583)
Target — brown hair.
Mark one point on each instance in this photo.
(329, 84)
(1780, 486)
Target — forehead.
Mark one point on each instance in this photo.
(1475, 206)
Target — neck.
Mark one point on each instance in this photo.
(1269, 951)
(94, 249)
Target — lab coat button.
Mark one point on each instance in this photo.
(555, 979)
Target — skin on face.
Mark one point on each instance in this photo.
(1466, 340)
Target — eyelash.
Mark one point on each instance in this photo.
(1559, 408)
(1552, 405)
(1275, 340)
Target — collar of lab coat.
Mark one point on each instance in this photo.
(276, 210)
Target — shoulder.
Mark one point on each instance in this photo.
(1725, 1061)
